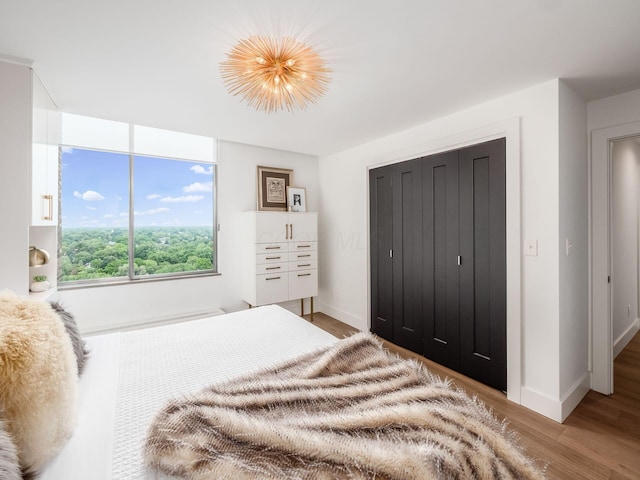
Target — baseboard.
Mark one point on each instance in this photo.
(541, 403)
(575, 395)
(622, 341)
(552, 408)
(342, 315)
(156, 322)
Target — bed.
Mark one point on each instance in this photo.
(130, 375)
(260, 393)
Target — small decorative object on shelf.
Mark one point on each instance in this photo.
(39, 284)
(297, 199)
(272, 188)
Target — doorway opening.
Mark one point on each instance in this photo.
(625, 240)
(614, 242)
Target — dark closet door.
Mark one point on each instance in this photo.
(407, 254)
(483, 303)
(381, 241)
(440, 259)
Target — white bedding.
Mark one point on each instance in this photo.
(129, 376)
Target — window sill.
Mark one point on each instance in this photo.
(121, 282)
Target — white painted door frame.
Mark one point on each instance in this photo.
(600, 253)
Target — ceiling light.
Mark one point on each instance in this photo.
(272, 75)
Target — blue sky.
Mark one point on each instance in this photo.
(95, 190)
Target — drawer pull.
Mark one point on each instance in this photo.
(304, 246)
(303, 256)
(304, 274)
(272, 268)
(272, 258)
(272, 248)
(305, 265)
(273, 278)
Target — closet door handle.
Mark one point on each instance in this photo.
(291, 231)
(304, 274)
(273, 278)
(272, 268)
(272, 258)
(272, 248)
(286, 231)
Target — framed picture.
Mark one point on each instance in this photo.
(297, 199)
(272, 188)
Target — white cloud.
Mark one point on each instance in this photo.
(124, 214)
(109, 215)
(185, 198)
(153, 196)
(68, 150)
(154, 211)
(199, 169)
(91, 208)
(118, 197)
(198, 187)
(89, 196)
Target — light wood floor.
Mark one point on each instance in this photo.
(599, 440)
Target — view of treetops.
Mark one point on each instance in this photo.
(172, 215)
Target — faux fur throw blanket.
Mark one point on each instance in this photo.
(350, 410)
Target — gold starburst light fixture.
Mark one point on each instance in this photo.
(272, 75)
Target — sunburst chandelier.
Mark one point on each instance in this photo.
(272, 75)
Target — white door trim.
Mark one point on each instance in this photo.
(600, 253)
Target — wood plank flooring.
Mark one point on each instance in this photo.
(599, 440)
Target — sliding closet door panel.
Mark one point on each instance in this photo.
(407, 254)
(440, 252)
(483, 263)
(381, 243)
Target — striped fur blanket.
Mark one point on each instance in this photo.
(350, 410)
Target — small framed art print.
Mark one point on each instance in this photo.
(272, 188)
(297, 199)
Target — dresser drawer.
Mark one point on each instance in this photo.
(302, 246)
(303, 283)
(263, 268)
(272, 247)
(271, 257)
(306, 256)
(303, 265)
(272, 288)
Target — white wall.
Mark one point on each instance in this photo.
(624, 225)
(615, 110)
(574, 262)
(344, 263)
(15, 187)
(112, 306)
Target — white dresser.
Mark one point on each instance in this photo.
(282, 257)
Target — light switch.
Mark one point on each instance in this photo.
(531, 248)
(568, 245)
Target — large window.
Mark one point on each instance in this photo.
(126, 216)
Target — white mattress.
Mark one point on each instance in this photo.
(129, 377)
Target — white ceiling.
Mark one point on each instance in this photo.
(395, 64)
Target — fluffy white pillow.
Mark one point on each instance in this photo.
(38, 379)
